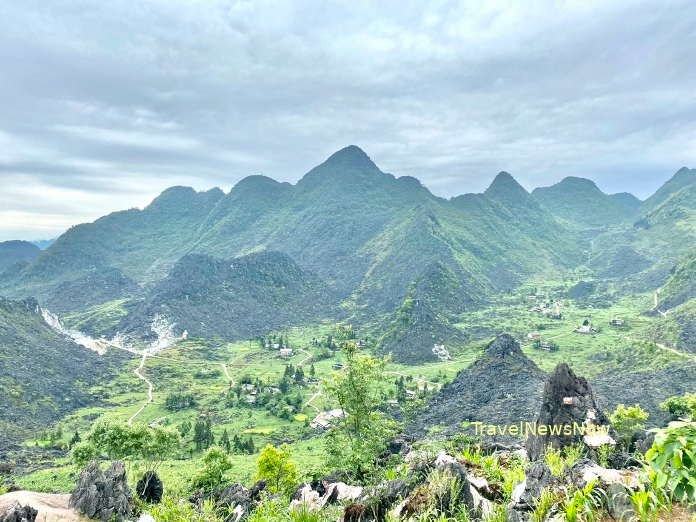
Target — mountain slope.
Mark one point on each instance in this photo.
(579, 201)
(682, 178)
(43, 374)
(233, 299)
(681, 285)
(12, 252)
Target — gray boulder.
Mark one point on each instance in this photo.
(18, 513)
(619, 504)
(103, 495)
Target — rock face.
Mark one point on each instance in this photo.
(103, 495)
(568, 407)
(18, 513)
(150, 488)
(502, 387)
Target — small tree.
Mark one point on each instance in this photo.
(362, 433)
(626, 421)
(216, 464)
(274, 466)
(225, 441)
(138, 444)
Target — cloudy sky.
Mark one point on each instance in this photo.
(106, 103)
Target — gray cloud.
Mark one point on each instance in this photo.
(107, 103)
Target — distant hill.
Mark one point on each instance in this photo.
(502, 387)
(44, 374)
(43, 244)
(233, 299)
(12, 252)
(628, 200)
(682, 178)
(580, 202)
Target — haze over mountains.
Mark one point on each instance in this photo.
(351, 242)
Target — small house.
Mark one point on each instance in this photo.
(617, 321)
(533, 335)
(286, 352)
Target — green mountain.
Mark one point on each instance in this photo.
(234, 299)
(43, 374)
(12, 252)
(367, 234)
(678, 329)
(580, 202)
(682, 178)
(424, 318)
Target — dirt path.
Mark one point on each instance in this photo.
(227, 374)
(139, 372)
(309, 356)
(309, 402)
(657, 304)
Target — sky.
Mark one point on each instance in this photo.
(105, 104)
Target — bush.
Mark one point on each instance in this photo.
(216, 464)
(681, 406)
(672, 460)
(274, 466)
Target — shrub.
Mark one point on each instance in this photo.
(627, 420)
(216, 464)
(672, 460)
(274, 465)
(681, 406)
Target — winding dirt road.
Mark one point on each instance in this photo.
(139, 372)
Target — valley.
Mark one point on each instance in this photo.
(248, 320)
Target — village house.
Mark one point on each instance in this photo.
(617, 321)
(324, 419)
(533, 335)
(286, 352)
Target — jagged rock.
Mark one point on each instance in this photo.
(256, 489)
(104, 495)
(502, 387)
(339, 492)
(537, 478)
(18, 513)
(619, 504)
(150, 488)
(235, 496)
(585, 471)
(305, 499)
(644, 441)
(378, 499)
(622, 460)
(568, 407)
(398, 447)
(6, 468)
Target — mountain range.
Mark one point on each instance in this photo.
(349, 242)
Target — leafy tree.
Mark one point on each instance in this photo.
(681, 406)
(362, 433)
(184, 428)
(672, 459)
(138, 443)
(216, 464)
(274, 466)
(626, 420)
